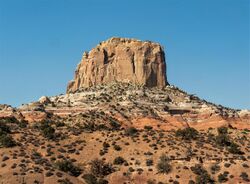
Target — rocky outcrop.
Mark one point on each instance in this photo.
(44, 100)
(122, 60)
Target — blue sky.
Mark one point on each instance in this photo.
(206, 43)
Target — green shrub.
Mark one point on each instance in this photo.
(10, 119)
(89, 127)
(163, 166)
(148, 128)
(63, 181)
(46, 129)
(102, 127)
(117, 147)
(59, 124)
(244, 176)
(23, 124)
(150, 181)
(191, 182)
(215, 168)
(204, 178)
(106, 145)
(234, 148)
(69, 167)
(6, 141)
(149, 162)
(202, 175)
(90, 179)
(187, 133)
(131, 131)
(119, 161)
(115, 125)
(222, 130)
(222, 140)
(100, 169)
(4, 128)
(197, 169)
(48, 132)
(222, 178)
(102, 181)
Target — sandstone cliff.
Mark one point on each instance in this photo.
(123, 60)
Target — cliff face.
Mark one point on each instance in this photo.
(123, 60)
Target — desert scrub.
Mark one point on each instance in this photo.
(163, 166)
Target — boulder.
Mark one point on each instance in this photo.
(44, 100)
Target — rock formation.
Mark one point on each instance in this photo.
(123, 60)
